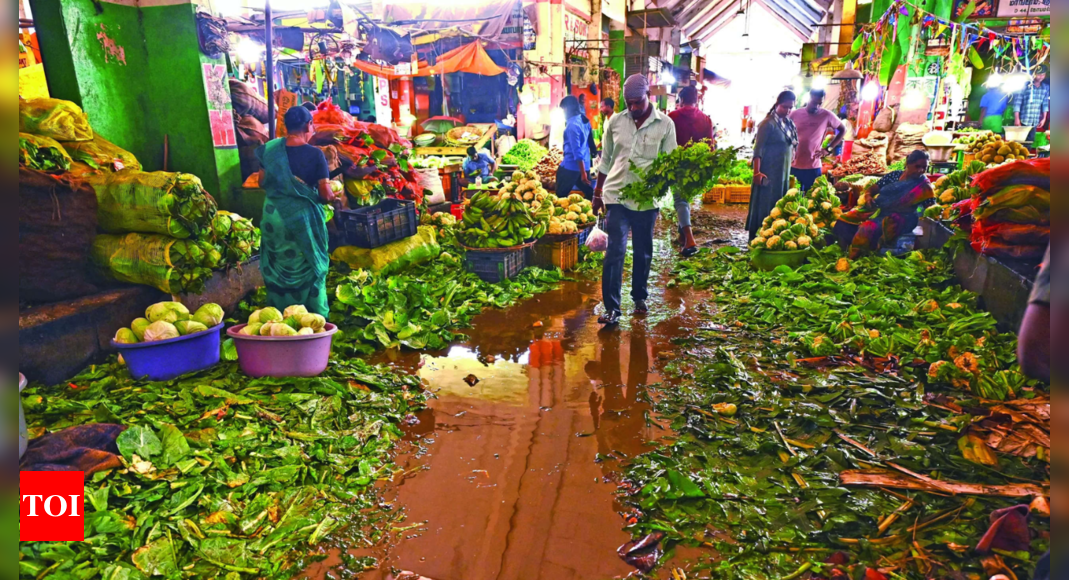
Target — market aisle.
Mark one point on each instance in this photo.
(520, 468)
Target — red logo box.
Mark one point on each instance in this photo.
(51, 506)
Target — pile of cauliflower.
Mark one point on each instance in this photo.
(569, 213)
(789, 227)
(562, 215)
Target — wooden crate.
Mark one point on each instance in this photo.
(737, 194)
(549, 255)
(714, 195)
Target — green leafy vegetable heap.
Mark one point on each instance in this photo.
(225, 476)
(525, 154)
(741, 174)
(789, 227)
(42, 154)
(421, 308)
(238, 236)
(687, 171)
(771, 449)
(823, 203)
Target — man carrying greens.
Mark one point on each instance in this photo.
(639, 138)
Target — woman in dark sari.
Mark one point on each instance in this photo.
(777, 140)
(888, 209)
(294, 258)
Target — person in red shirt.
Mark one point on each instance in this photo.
(692, 126)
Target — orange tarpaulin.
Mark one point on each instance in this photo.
(470, 58)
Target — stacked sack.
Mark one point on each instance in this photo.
(1011, 213)
(158, 229)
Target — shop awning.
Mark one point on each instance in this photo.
(470, 58)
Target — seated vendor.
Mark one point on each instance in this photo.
(889, 209)
(478, 164)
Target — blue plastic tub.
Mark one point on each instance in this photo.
(169, 359)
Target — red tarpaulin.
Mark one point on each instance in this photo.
(470, 58)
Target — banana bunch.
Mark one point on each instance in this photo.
(499, 220)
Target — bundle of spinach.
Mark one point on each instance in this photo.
(420, 308)
(907, 308)
(225, 476)
(764, 436)
(687, 171)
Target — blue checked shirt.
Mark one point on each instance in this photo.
(1033, 103)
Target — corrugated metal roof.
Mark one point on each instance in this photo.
(701, 19)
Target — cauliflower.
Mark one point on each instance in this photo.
(825, 206)
(948, 197)
(842, 266)
(814, 231)
(791, 246)
(528, 196)
(555, 227)
(570, 227)
(575, 198)
(792, 193)
(804, 242)
(768, 233)
(776, 213)
(574, 208)
(801, 221)
(774, 243)
(517, 176)
(780, 225)
(758, 243)
(571, 216)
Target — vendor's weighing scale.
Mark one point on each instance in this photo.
(942, 167)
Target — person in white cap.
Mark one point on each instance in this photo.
(636, 138)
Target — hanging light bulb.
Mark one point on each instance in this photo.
(995, 80)
(820, 83)
(871, 92)
(250, 51)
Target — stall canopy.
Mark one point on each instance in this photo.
(470, 58)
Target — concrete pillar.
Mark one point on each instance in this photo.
(136, 68)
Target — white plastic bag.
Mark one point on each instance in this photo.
(431, 182)
(598, 240)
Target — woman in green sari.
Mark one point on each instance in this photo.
(294, 254)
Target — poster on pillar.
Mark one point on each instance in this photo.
(1023, 8)
(220, 108)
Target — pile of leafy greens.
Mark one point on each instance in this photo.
(687, 172)
(422, 307)
(225, 476)
(768, 447)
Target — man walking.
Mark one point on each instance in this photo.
(638, 138)
(692, 126)
(813, 123)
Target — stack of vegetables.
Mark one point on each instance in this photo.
(548, 165)
(503, 220)
(236, 235)
(1012, 211)
(741, 174)
(789, 227)
(569, 213)
(954, 192)
(525, 155)
(824, 204)
(995, 151)
(167, 320)
(294, 321)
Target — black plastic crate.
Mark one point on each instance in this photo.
(378, 225)
(494, 267)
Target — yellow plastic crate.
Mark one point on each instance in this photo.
(714, 195)
(737, 194)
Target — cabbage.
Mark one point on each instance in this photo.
(297, 310)
(138, 326)
(265, 330)
(251, 329)
(313, 321)
(187, 327)
(126, 336)
(266, 315)
(305, 332)
(293, 322)
(282, 330)
(209, 315)
(161, 330)
(167, 311)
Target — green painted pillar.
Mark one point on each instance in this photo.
(138, 72)
(617, 55)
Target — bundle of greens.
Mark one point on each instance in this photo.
(223, 475)
(172, 204)
(741, 173)
(237, 236)
(858, 463)
(688, 172)
(42, 154)
(170, 265)
(525, 154)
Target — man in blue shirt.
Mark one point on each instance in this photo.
(1032, 105)
(574, 170)
(478, 164)
(992, 108)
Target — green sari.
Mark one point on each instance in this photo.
(294, 254)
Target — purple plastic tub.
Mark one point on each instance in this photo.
(169, 359)
(283, 356)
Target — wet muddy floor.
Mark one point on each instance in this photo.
(514, 475)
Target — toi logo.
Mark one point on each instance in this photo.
(51, 506)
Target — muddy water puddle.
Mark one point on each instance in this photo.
(515, 463)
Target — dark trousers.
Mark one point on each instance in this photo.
(806, 177)
(622, 221)
(568, 180)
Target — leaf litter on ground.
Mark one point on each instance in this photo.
(766, 491)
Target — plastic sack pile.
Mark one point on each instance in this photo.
(1011, 213)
